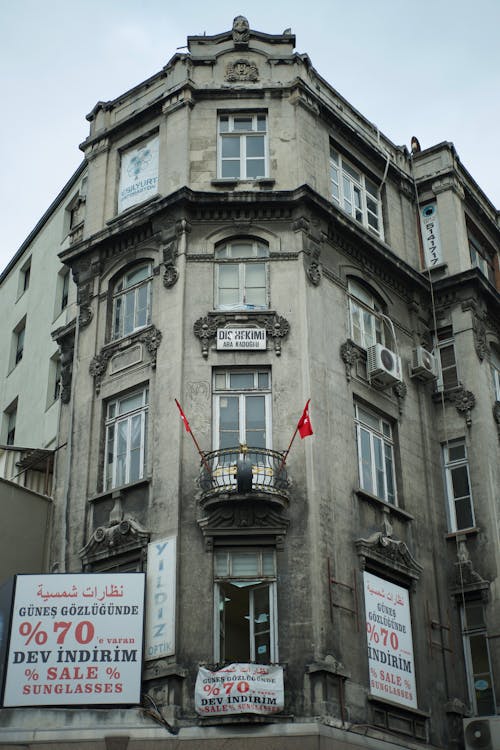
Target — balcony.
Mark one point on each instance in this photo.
(242, 474)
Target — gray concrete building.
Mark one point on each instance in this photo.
(250, 241)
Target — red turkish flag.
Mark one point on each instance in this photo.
(183, 417)
(304, 425)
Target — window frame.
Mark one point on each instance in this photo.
(254, 581)
(111, 480)
(223, 256)
(476, 631)
(380, 479)
(241, 394)
(346, 178)
(481, 258)
(10, 424)
(449, 466)
(231, 133)
(364, 303)
(445, 340)
(121, 292)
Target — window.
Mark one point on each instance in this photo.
(242, 408)
(64, 280)
(355, 193)
(132, 301)
(375, 454)
(495, 371)
(241, 276)
(457, 480)
(10, 419)
(481, 258)
(18, 344)
(448, 375)
(126, 432)
(477, 659)
(242, 146)
(24, 279)
(54, 388)
(245, 606)
(367, 326)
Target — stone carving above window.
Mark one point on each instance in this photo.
(465, 401)
(467, 580)
(117, 538)
(242, 70)
(386, 552)
(276, 327)
(170, 273)
(350, 353)
(151, 338)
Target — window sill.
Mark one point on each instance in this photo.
(447, 393)
(230, 182)
(455, 535)
(386, 507)
(119, 489)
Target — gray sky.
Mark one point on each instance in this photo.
(429, 68)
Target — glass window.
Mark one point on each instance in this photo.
(477, 659)
(352, 191)
(242, 146)
(11, 416)
(245, 606)
(20, 343)
(482, 258)
(132, 301)
(456, 466)
(242, 409)
(448, 373)
(126, 434)
(375, 454)
(241, 276)
(367, 327)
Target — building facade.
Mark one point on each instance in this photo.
(363, 563)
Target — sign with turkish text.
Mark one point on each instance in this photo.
(431, 237)
(390, 641)
(240, 688)
(160, 599)
(76, 639)
(241, 338)
(138, 174)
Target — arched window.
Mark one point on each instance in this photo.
(367, 325)
(132, 301)
(241, 276)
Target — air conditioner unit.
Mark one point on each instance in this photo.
(423, 364)
(482, 734)
(383, 366)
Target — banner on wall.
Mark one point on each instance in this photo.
(138, 174)
(160, 599)
(390, 642)
(76, 639)
(240, 688)
(431, 238)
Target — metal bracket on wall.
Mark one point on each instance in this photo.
(436, 625)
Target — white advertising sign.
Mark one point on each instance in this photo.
(241, 338)
(138, 174)
(160, 599)
(390, 642)
(240, 688)
(76, 639)
(431, 237)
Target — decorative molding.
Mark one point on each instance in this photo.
(242, 70)
(464, 402)
(349, 353)
(118, 537)
(151, 337)
(387, 552)
(248, 519)
(276, 326)
(467, 580)
(65, 338)
(170, 274)
(84, 299)
(479, 318)
(400, 390)
(313, 268)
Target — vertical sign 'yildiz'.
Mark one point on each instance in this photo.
(390, 642)
(138, 174)
(431, 238)
(160, 599)
(76, 639)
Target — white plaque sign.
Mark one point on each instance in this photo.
(160, 599)
(431, 237)
(138, 174)
(240, 688)
(241, 338)
(389, 640)
(76, 639)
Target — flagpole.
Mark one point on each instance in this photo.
(285, 454)
(188, 429)
(300, 424)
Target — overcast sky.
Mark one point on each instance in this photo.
(429, 68)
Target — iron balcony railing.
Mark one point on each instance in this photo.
(237, 471)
